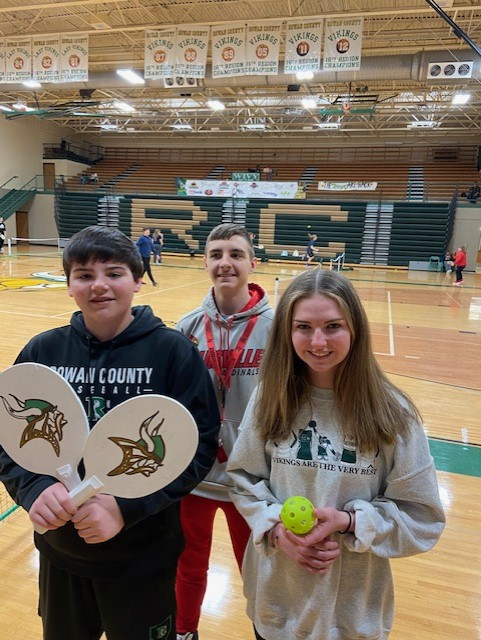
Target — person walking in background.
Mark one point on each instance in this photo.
(145, 246)
(158, 240)
(110, 564)
(459, 264)
(326, 423)
(310, 249)
(230, 329)
(3, 233)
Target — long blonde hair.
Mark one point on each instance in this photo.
(370, 409)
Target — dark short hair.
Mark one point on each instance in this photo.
(226, 231)
(101, 244)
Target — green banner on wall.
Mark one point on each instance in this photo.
(246, 176)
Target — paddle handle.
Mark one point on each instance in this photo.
(68, 476)
(80, 494)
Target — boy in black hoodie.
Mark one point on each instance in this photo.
(109, 565)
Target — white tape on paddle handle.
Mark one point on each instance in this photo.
(80, 494)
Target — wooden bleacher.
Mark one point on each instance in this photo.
(141, 177)
(339, 218)
(440, 179)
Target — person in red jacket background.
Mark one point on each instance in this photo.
(459, 265)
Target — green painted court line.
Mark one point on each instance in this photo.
(453, 457)
(6, 513)
(456, 457)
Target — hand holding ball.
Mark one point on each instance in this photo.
(297, 515)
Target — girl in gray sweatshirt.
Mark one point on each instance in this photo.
(327, 424)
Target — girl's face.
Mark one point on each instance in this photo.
(320, 337)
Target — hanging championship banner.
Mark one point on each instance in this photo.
(262, 48)
(191, 47)
(2, 60)
(228, 51)
(303, 46)
(18, 59)
(342, 44)
(46, 58)
(74, 58)
(159, 53)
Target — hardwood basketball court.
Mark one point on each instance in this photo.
(427, 337)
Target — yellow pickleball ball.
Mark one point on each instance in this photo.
(297, 514)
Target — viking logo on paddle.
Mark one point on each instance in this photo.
(143, 456)
(44, 420)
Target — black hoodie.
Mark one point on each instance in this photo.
(145, 358)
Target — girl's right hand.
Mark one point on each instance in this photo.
(315, 558)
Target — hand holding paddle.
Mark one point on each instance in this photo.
(137, 448)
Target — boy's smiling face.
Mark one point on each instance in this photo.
(103, 292)
(229, 263)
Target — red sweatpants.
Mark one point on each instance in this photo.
(197, 517)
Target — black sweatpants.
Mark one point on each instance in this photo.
(146, 263)
(76, 608)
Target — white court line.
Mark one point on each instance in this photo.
(24, 313)
(454, 300)
(69, 313)
(152, 291)
(390, 329)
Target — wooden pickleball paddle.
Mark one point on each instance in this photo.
(137, 448)
(43, 426)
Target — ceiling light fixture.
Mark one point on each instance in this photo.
(423, 124)
(32, 84)
(5, 108)
(304, 75)
(123, 106)
(309, 103)
(21, 106)
(216, 105)
(182, 126)
(253, 126)
(328, 125)
(131, 76)
(461, 98)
